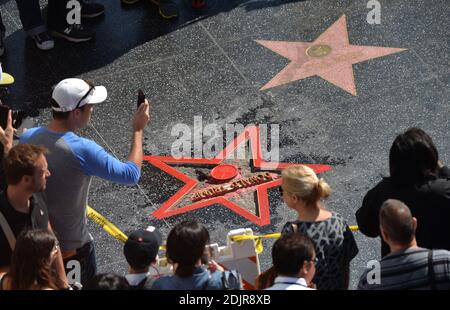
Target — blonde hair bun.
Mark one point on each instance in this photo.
(303, 182)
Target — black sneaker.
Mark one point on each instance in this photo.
(43, 41)
(167, 8)
(90, 9)
(74, 33)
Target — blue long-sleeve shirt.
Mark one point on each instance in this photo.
(72, 162)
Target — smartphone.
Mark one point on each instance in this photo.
(4, 110)
(141, 98)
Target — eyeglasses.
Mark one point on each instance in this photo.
(91, 87)
(315, 260)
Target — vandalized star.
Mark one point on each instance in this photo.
(195, 195)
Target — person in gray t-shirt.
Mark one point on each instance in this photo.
(73, 161)
(407, 266)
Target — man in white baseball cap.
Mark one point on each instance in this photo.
(71, 94)
(73, 161)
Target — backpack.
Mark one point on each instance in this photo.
(144, 285)
(230, 280)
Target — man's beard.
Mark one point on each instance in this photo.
(36, 189)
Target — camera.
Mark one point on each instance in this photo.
(17, 116)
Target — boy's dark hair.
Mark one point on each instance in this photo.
(107, 281)
(412, 157)
(185, 246)
(289, 253)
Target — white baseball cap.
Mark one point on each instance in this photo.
(70, 94)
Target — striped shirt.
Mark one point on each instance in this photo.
(409, 270)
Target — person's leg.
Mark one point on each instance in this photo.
(2, 26)
(57, 14)
(86, 258)
(30, 16)
(33, 24)
(89, 265)
(2, 35)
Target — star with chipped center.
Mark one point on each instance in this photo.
(252, 134)
(330, 57)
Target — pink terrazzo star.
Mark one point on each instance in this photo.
(330, 57)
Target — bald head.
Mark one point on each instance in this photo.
(397, 221)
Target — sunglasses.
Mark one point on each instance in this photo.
(91, 87)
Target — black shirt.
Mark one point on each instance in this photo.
(18, 221)
(429, 202)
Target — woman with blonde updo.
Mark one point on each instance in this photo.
(334, 243)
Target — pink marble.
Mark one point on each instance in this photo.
(336, 67)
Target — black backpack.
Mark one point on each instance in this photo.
(144, 285)
(231, 280)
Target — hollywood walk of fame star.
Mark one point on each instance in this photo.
(330, 57)
(176, 204)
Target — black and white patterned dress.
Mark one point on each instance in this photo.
(335, 247)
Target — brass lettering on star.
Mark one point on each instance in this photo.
(324, 64)
(221, 190)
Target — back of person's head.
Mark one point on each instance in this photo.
(141, 248)
(303, 182)
(290, 252)
(31, 261)
(186, 245)
(412, 157)
(108, 282)
(21, 161)
(397, 222)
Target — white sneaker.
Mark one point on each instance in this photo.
(43, 41)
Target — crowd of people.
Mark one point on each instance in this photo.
(59, 19)
(45, 191)
(45, 181)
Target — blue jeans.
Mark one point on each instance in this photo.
(30, 16)
(86, 257)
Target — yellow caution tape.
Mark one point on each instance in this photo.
(258, 239)
(354, 228)
(109, 227)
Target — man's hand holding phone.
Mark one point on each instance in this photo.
(142, 116)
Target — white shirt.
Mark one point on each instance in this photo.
(289, 283)
(136, 278)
